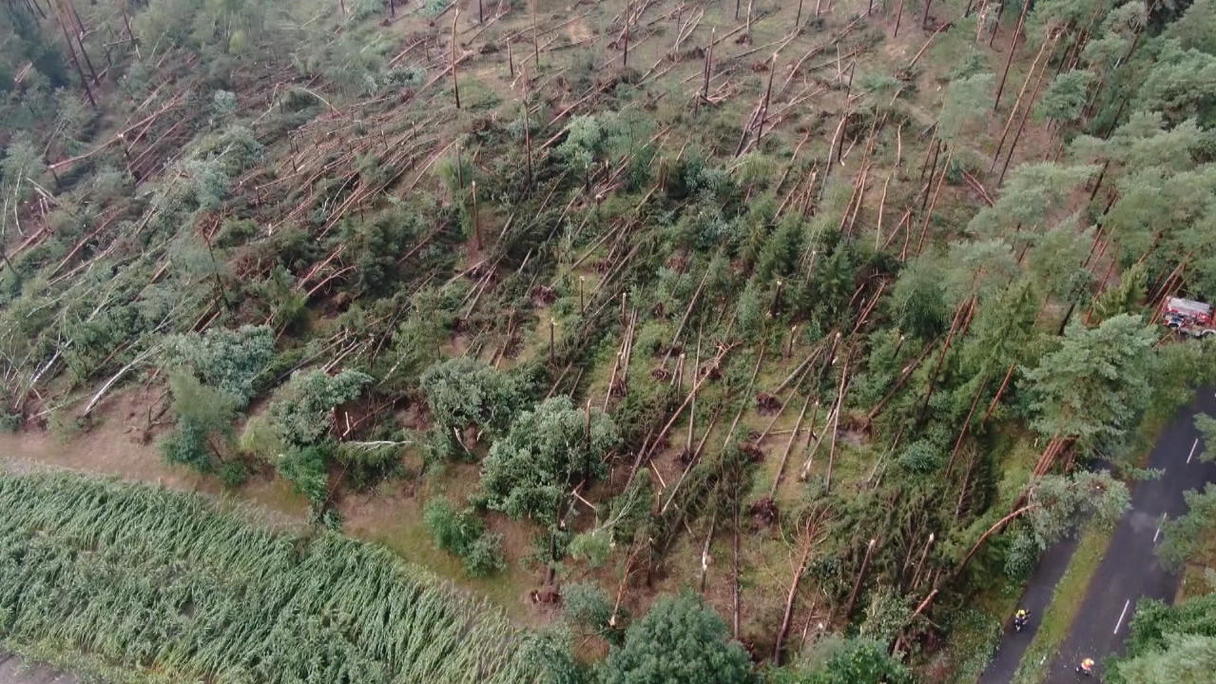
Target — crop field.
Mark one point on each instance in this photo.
(170, 588)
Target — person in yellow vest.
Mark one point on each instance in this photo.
(1086, 667)
(1020, 618)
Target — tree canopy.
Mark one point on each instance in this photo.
(1094, 383)
(680, 639)
(547, 452)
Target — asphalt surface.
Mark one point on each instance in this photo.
(1037, 597)
(1130, 569)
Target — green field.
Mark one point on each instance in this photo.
(169, 587)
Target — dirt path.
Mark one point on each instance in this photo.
(15, 670)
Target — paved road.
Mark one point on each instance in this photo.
(1130, 569)
(1038, 593)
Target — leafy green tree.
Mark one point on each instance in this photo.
(920, 457)
(1144, 141)
(1164, 212)
(1059, 503)
(417, 341)
(22, 164)
(1001, 333)
(1169, 643)
(375, 245)
(1056, 262)
(547, 452)
(1126, 297)
(1055, 506)
(857, 660)
(1032, 194)
(302, 411)
(1185, 659)
(204, 423)
(1206, 425)
(464, 392)
(582, 143)
(307, 469)
(1093, 386)
(593, 547)
(918, 300)
(980, 268)
(1194, 28)
(679, 640)
(226, 359)
(548, 651)
(1189, 532)
(1181, 85)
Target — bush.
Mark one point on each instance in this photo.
(186, 446)
(303, 409)
(306, 469)
(484, 556)
(453, 531)
(586, 605)
(10, 422)
(234, 474)
(462, 534)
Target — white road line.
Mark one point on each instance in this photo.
(1121, 616)
(1158, 532)
(1192, 454)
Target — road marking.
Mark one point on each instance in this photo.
(1121, 616)
(1192, 454)
(1158, 532)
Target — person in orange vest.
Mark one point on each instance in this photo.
(1086, 667)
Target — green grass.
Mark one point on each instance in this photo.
(163, 586)
(1065, 603)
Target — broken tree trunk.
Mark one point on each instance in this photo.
(791, 595)
(789, 445)
(1013, 42)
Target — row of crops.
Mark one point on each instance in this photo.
(170, 587)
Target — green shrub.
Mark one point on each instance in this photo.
(463, 534)
(306, 468)
(484, 556)
(585, 605)
(234, 474)
(454, 531)
(303, 409)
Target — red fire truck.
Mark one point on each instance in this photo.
(1188, 317)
